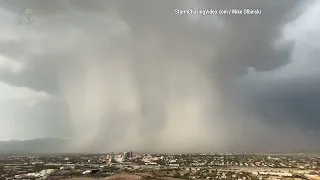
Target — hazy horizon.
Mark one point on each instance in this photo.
(115, 75)
(65, 150)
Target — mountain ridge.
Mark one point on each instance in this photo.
(39, 145)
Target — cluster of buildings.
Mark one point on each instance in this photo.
(43, 174)
(119, 157)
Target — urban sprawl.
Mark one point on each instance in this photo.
(129, 165)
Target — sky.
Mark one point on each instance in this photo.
(116, 75)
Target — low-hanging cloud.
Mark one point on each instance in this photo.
(136, 76)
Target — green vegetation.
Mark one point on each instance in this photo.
(177, 175)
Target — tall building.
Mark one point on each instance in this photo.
(119, 159)
(111, 159)
(125, 155)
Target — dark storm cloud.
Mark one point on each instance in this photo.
(250, 38)
(294, 102)
(136, 75)
(39, 75)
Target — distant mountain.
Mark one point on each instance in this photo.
(44, 145)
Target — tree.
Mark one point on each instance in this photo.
(2, 169)
(177, 175)
(148, 177)
(186, 175)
